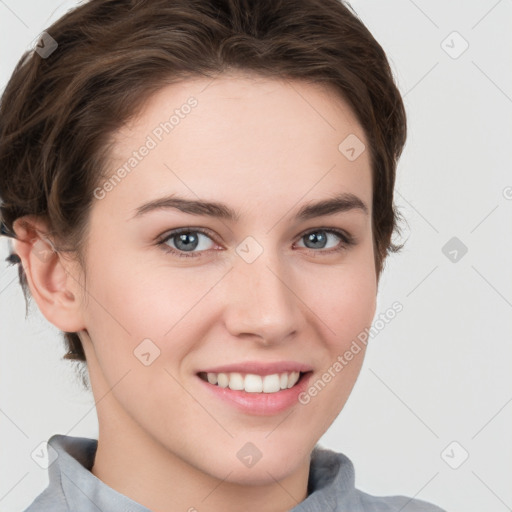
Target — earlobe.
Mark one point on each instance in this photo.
(49, 275)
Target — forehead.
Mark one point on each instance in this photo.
(246, 139)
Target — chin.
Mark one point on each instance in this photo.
(247, 465)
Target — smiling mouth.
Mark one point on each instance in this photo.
(253, 383)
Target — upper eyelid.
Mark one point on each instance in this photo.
(177, 231)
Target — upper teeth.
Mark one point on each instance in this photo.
(252, 383)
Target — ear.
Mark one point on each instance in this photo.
(52, 279)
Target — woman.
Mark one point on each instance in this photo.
(200, 195)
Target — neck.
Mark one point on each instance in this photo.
(143, 470)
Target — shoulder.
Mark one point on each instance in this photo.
(332, 486)
(48, 501)
(394, 504)
(68, 460)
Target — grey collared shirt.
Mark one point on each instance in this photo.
(73, 488)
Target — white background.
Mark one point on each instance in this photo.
(440, 371)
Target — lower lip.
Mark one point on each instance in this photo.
(261, 404)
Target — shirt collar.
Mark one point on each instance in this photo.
(71, 472)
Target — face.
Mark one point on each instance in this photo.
(240, 294)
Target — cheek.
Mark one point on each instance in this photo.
(346, 307)
(344, 300)
(130, 302)
(147, 322)
(133, 318)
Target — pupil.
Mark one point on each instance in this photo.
(189, 241)
(314, 238)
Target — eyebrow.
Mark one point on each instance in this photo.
(341, 203)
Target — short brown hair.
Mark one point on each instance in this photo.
(57, 114)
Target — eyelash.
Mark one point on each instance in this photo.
(346, 241)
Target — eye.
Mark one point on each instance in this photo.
(318, 239)
(185, 241)
(191, 242)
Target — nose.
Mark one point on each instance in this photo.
(261, 302)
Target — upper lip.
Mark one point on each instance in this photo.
(260, 367)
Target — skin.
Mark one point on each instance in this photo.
(265, 147)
